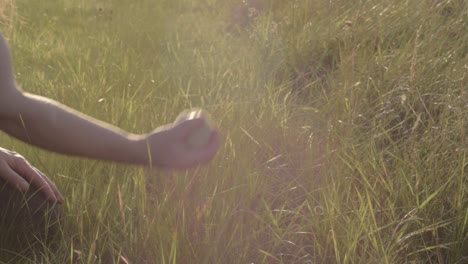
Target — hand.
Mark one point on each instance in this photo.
(168, 146)
(16, 171)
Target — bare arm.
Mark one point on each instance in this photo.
(50, 125)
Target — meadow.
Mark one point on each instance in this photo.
(344, 128)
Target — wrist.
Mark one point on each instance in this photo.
(137, 150)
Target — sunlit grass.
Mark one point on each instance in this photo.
(344, 126)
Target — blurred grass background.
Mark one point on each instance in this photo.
(344, 126)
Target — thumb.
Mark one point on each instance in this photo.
(184, 128)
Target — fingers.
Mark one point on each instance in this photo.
(57, 193)
(205, 154)
(23, 168)
(13, 178)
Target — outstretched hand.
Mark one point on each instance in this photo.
(17, 172)
(168, 149)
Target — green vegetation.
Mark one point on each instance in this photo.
(344, 123)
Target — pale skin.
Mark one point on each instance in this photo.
(50, 125)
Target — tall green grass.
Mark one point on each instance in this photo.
(344, 126)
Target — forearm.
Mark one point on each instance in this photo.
(52, 126)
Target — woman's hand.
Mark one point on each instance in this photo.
(167, 148)
(18, 173)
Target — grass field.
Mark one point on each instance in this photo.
(344, 125)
